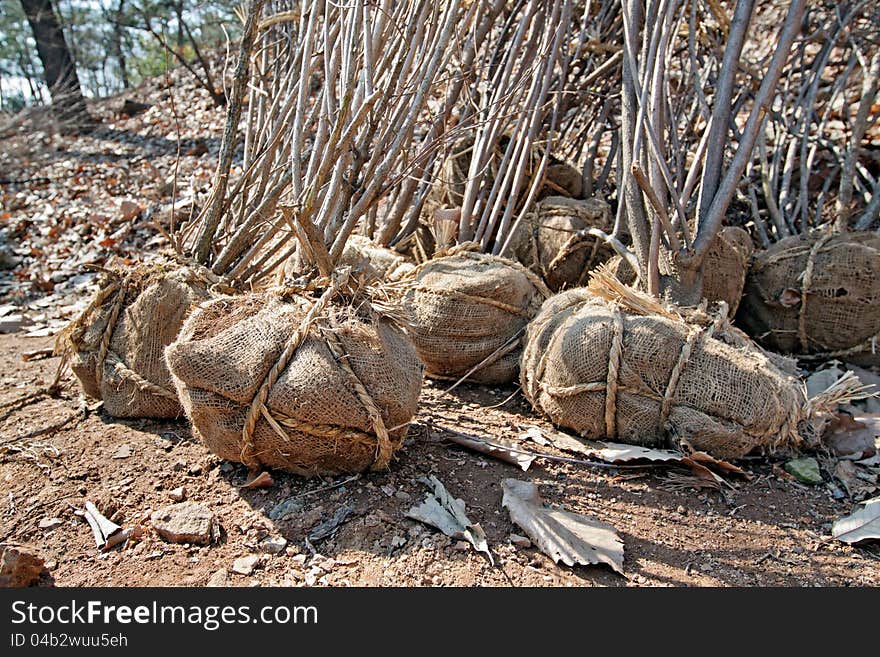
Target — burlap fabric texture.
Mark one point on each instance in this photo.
(551, 240)
(610, 370)
(469, 308)
(724, 268)
(116, 346)
(313, 386)
(817, 296)
(383, 264)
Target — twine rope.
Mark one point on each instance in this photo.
(805, 290)
(258, 404)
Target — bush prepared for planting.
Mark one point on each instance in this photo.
(640, 374)
(552, 240)
(116, 346)
(724, 268)
(313, 387)
(469, 308)
(817, 295)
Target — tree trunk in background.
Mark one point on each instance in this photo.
(178, 11)
(118, 51)
(68, 103)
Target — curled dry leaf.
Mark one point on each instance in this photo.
(499, 449)
(447, 514)
(563, 536)
(262, 480)
(862, 525)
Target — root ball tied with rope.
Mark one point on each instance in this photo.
(609, 362)
(554, 242)
(468, 311)
(115, 347)
(724, 268)
(312, 386)
(817, 296)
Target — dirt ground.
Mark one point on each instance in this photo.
(769, 531)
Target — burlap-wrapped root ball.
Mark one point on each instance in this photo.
(311, 387)
(608, 371)
(549, 242)
(724, 268)
(469, 307)
(383, 263)
(116, 346)
(817, 294)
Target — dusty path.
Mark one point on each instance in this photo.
(770, 531)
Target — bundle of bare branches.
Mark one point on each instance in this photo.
(316, 376)
(815, 194)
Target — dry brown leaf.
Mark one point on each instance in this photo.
(563, 536)
(498, 448)
(262, 480)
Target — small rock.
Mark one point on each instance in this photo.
(50, 523)
(186, 522)
(388, 489)
(299, 559)
(461, 546)
(680, 510)
(177, 494)
(19, 566)
(397, 541)
(246, 565)
(403, 496)
(123, 452)
(273, 544)
(286, 508)
(805, 470)
(51, 565)
(520, 541)
(219, 578)
(179, 466)
(195, 470)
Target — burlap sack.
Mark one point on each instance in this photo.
(315, 388)
(724, 268)
(817, 295)
(548, 243)
(608, 371)
(467, 307)
(116, 346)
(384, 264)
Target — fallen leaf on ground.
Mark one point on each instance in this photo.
(262, 480)
(851, 436)
(329, 527)
(856, 487)
(562, 535)
(447, 514)
(535, 435)
(862, 525)
(497, 448)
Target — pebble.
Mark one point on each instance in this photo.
(520, 541)
(186, 522)
(50, 523)
(177, 494)
(273, 544)
(246, 565)
(19, 566)
(219, 578)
